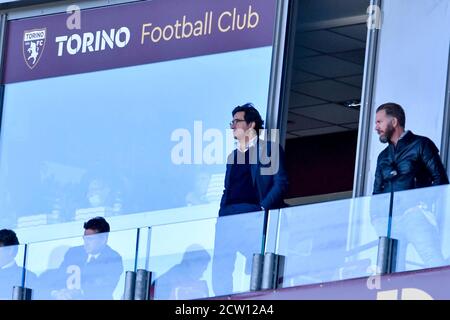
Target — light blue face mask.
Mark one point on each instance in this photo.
(95, 200)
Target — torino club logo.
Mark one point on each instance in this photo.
(33, 46)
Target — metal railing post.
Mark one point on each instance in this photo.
(387, 255)
(257, 272)
(21, 293)
(130, 285)
(143, 281)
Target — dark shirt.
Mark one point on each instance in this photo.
(242, 189)
(268, 177)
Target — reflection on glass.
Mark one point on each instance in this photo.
(199, 193)
(236, 234)
(11, 273)
(419, 217)
(108, 152)
(88, 272)
(87, 268)
(204, 258)
(330, 241)
(184, 280)
(103, 196)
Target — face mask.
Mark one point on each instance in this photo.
(95, 200)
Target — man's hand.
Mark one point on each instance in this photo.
(66, 294)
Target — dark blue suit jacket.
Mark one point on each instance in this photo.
(99, 277)
(11, 277)
(268, 174)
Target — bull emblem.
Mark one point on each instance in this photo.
(33, 46)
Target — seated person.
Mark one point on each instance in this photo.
(10, 273)
(88, 272)
(199, 193)
(102, 198)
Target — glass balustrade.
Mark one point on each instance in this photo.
(204, 258)
(331, 241)
(421, 224)
(90, 267)
(321, 242)
(11, 270)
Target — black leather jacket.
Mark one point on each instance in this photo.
(416, 161)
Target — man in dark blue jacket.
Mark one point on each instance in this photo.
(408, 162)
(88, 272)
(10, 273)
(255, 180)
(255, 177)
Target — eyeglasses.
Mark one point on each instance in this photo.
(235, 121)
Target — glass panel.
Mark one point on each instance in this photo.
(82, 268)
(403, 54)
(204, 258)
(11, 270)
(332, 240)
(143, 248)
(79, 145)
(420, 223)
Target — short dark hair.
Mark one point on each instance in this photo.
(394, 110)
(8, 238)
(250, 115)
(97, 223)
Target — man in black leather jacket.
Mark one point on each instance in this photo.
(415, 158)
(408, 162)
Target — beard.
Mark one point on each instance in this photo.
(386, 137)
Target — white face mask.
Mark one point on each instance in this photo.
(95, 200)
